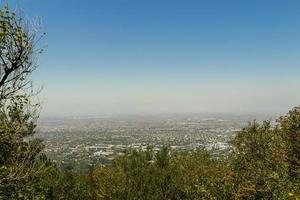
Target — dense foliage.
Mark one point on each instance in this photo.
(264, 162)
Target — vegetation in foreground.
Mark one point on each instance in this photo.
(263, 164)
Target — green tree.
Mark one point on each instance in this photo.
(258, 162)
(18, 53)
(290, 125)
(21, 161)
(160, 175)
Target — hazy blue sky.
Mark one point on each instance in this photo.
(153, 56)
